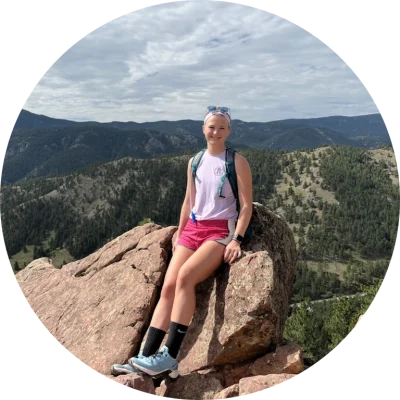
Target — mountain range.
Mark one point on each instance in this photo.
(41, 145)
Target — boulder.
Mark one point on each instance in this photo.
(285, 359)
(100, 306)
(160, 390)
(261, 382)
(136, 381)
(231, 391)
(192, 386)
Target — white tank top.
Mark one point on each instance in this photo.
(208, 205)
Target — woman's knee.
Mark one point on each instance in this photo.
(168, 290)
(185, 279)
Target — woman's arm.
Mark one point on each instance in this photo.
(245, 189)
(185, 211)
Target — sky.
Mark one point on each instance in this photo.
(170, 61)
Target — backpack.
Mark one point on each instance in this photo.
(232, 178)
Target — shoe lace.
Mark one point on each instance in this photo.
(157, 354)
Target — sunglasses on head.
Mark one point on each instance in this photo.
(224, 110)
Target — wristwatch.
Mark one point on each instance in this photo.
(238, 238)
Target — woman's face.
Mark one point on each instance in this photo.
(216, 130)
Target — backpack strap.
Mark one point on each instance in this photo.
(232, 177)
(229, 162)
(196, 161)
(231, 174)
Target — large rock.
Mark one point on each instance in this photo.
(99, 307)
(286, 359)
(269, 370)
(137, 239)
(242, 309)
(194, 386)
(261, 382)
(136, 381)
(231, 391)
(160, 390)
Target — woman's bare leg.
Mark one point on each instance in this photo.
(162, 314)
(187, 269)
(196, 269)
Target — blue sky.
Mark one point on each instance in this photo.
(168, 62)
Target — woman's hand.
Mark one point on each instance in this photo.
(174, 244)
(232, 251)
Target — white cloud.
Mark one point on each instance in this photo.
(170, 61)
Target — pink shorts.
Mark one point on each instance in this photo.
(196, 233)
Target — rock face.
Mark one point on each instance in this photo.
(261, 382)
(231, 391)
(286, 359)
(237, 380)
(136, 381)
(193, 386)
(100, 307)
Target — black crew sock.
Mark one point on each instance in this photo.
(175, 338)
(153, 341)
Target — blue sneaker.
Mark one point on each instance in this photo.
(124, 369)
(157, 364)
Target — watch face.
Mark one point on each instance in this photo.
(239, 237)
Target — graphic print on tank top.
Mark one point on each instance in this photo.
(208, 205)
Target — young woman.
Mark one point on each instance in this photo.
(209, 232)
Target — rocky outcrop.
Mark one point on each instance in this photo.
(286, 359)
(256, 383)
(100, 307)
(231, 391)
(283, 363)
(136, 381)
(192, 386)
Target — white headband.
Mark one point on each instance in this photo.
(211, 113)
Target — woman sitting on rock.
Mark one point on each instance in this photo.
(209, 233)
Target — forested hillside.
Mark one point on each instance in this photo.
(342, 203)
(90, 207)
